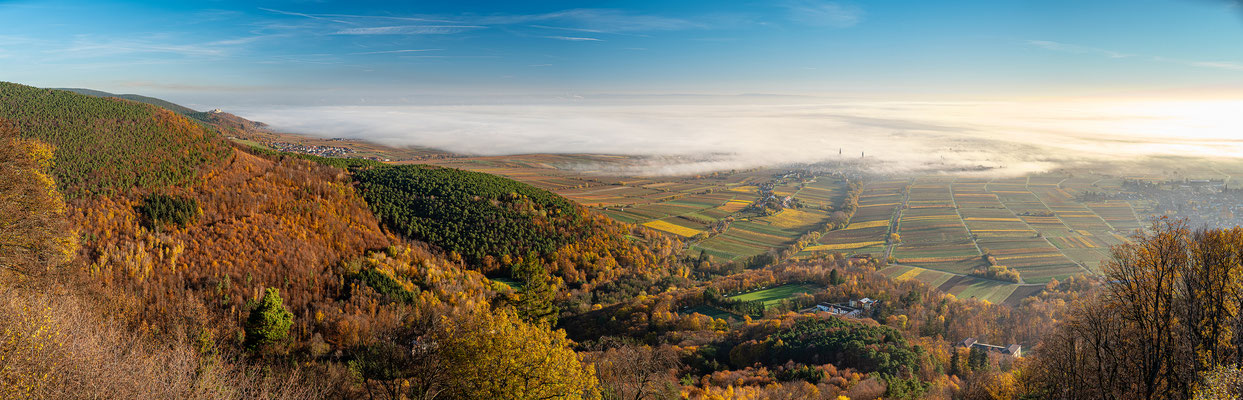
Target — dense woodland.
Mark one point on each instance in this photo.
(145, 256)
(488, 221)
(109, 145)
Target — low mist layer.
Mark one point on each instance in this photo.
(1003, 138)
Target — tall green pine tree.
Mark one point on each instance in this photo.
(268, 322)
(535, 303)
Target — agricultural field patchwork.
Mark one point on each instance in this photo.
(823, 193)
(963, 286)
(1043, 226)
(1036, 260)
(795, 219)
(727, 248)
(933, 234)
(869, 228)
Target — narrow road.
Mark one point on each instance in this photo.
(897, 217)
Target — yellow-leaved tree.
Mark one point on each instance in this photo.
(493, 354)
(34, 233)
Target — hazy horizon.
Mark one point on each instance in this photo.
(1013, 86)
(1007, 138)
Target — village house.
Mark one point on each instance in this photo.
(864, 304)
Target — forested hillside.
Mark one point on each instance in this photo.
(248, 259)
(110, 145)
(491, 222)
(479, 216)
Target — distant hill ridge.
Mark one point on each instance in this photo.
(177, 108)
(222, 120)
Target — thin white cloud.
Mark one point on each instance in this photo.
(304, 15)
(244, 40)
(562, 28)
(600, 20)
(409, 30)
(396, 51)
(390, 17)
(6, 40)
(149, 85)
(573, 38)
(89, 47)
(460, 56)
(824, 13)
(1077, 49)
(578, 20)
(311, 59)
(1233, 66)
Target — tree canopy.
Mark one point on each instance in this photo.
(107, 145)
(470, 213)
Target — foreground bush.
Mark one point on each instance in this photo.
(55, 346)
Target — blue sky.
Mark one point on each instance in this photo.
(353, 52)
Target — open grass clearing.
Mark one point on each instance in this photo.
(774, 295)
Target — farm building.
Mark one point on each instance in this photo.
(1011, 350)
(854, 308)
(864, 303)
(836, 309)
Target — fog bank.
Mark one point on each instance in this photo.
(1003, 138)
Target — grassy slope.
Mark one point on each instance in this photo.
(774, 295)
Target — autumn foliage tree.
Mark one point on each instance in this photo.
(634, 371)
(1168, 314)
(495, 355)
(34, 233)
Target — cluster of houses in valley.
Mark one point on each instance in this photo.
(861, 307)
(322, 151)
(1204, 202)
